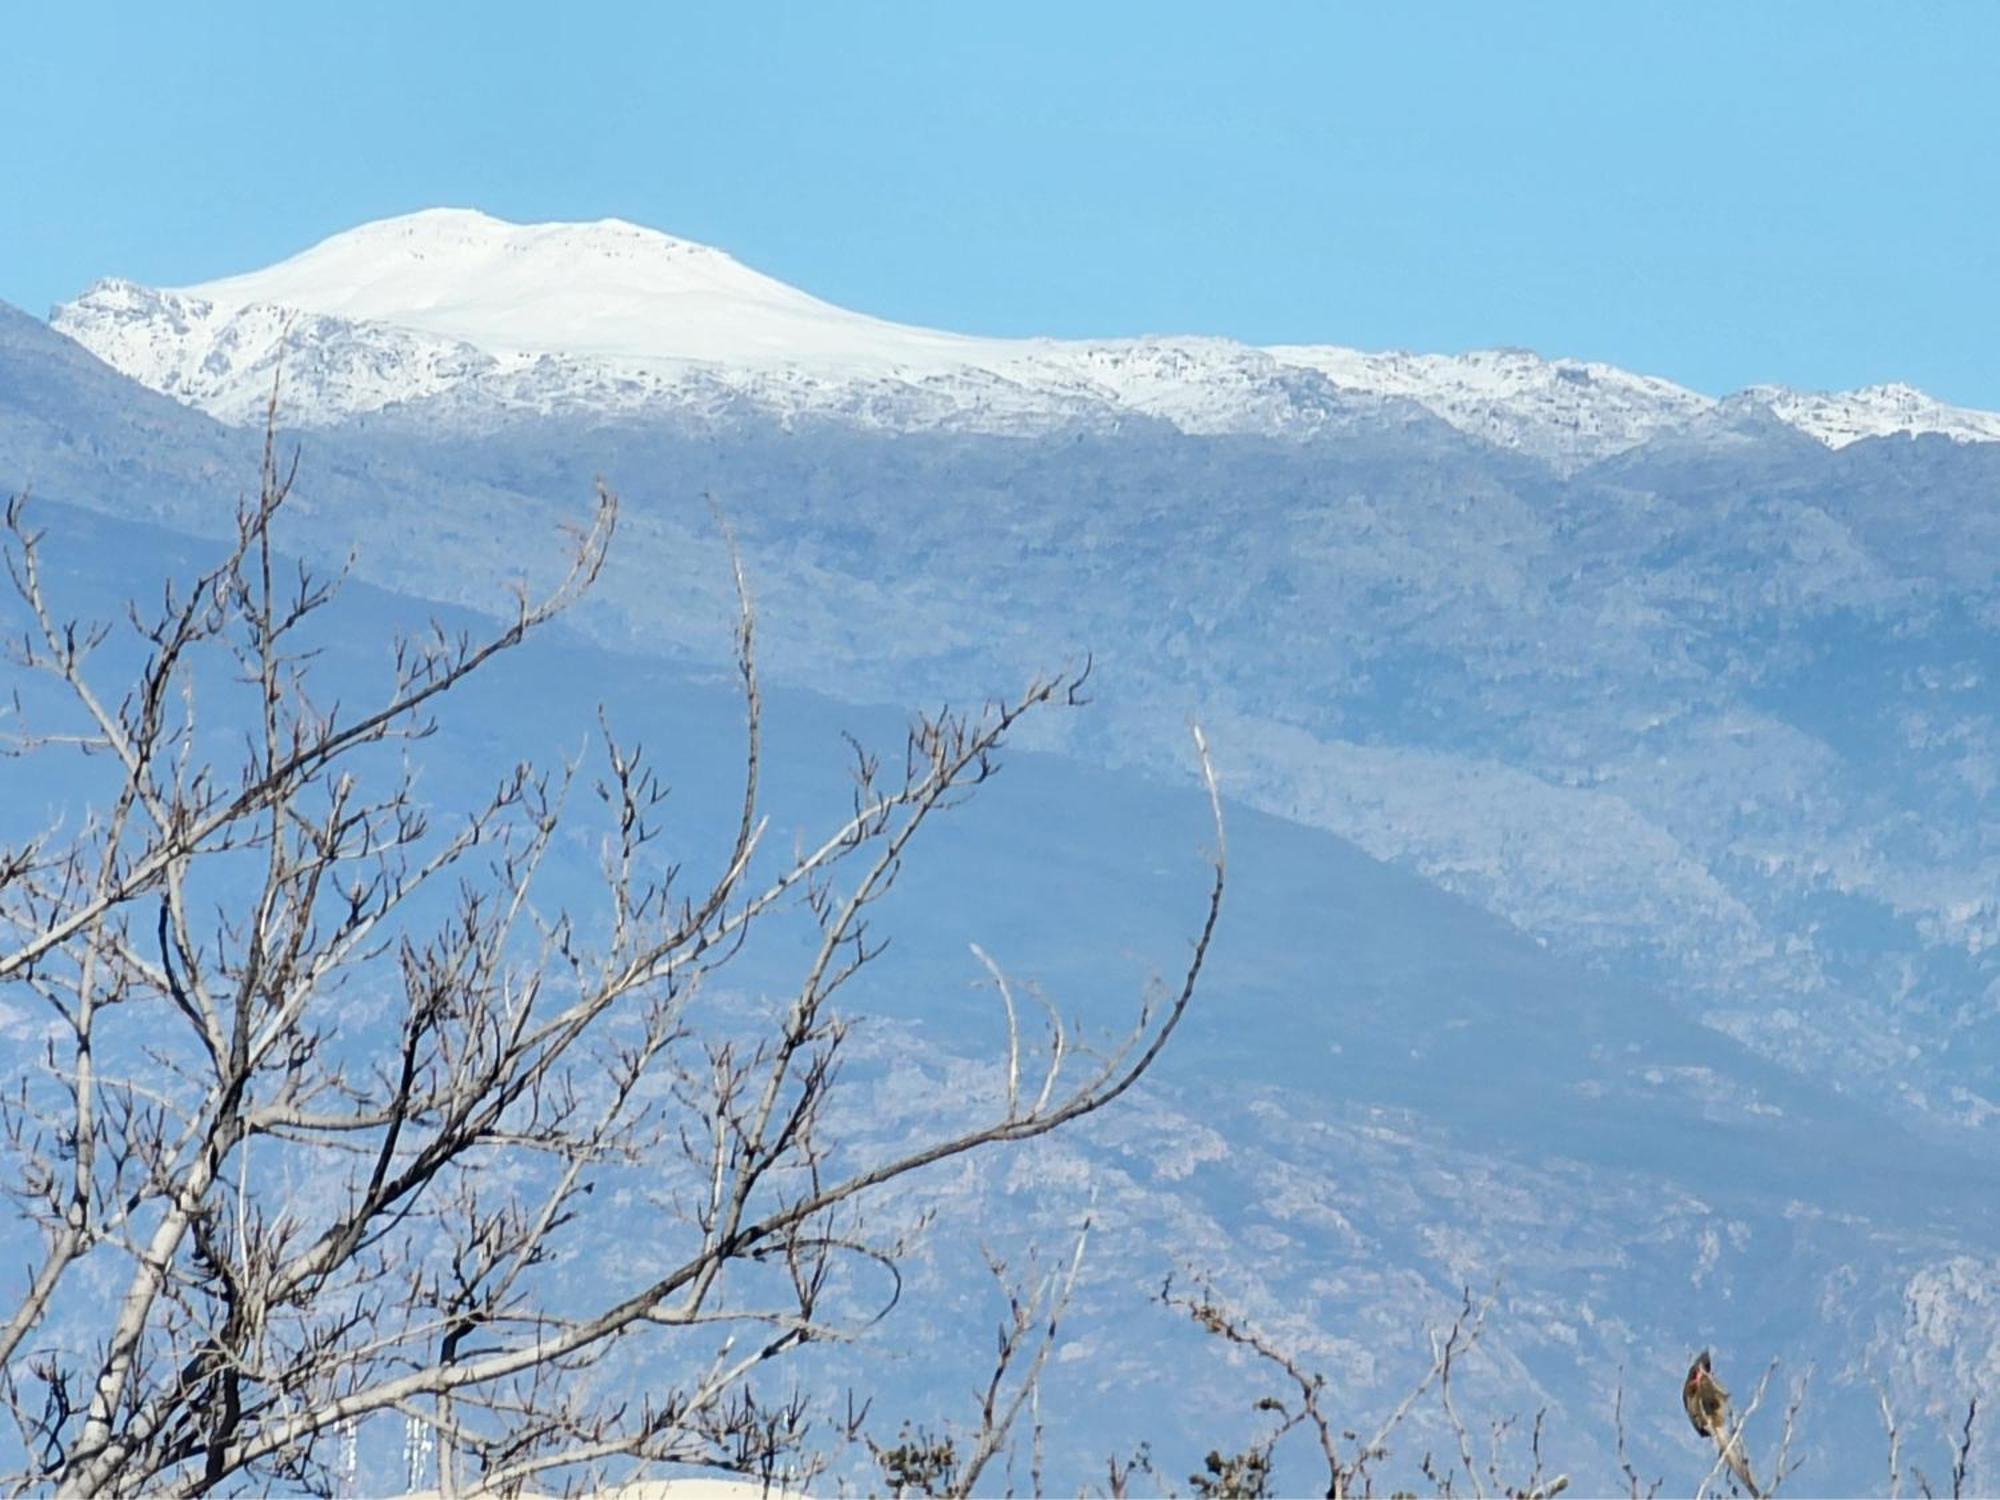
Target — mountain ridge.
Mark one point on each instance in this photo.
(489, 319)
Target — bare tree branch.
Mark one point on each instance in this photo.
(332, 1081)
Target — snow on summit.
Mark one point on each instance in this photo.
(1838, 418)
(610, 289)
(452, 317)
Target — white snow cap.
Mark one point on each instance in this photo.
(608, 288)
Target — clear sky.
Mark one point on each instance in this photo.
(1722, 194)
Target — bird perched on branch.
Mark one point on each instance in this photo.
(1707, 1406)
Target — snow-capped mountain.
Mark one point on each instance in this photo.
(1838, 418)
(456, 319)
(1680, 770)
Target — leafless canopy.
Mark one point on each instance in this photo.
(1351, 1462)
(259, 1228)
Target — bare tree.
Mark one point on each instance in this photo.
(944, 1461)
(1635, 1487)
(260, 1227)
(1959, 1441)
(1352, 1462)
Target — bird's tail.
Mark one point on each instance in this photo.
(1729, 1441)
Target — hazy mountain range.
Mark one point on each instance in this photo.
(1614, 768)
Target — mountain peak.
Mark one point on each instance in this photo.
(1838, 418)
(471, 232)
(608, 287)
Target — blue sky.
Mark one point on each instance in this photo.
(1722, 194)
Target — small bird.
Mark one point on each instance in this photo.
(1706, 1401)
(1707, 1406)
